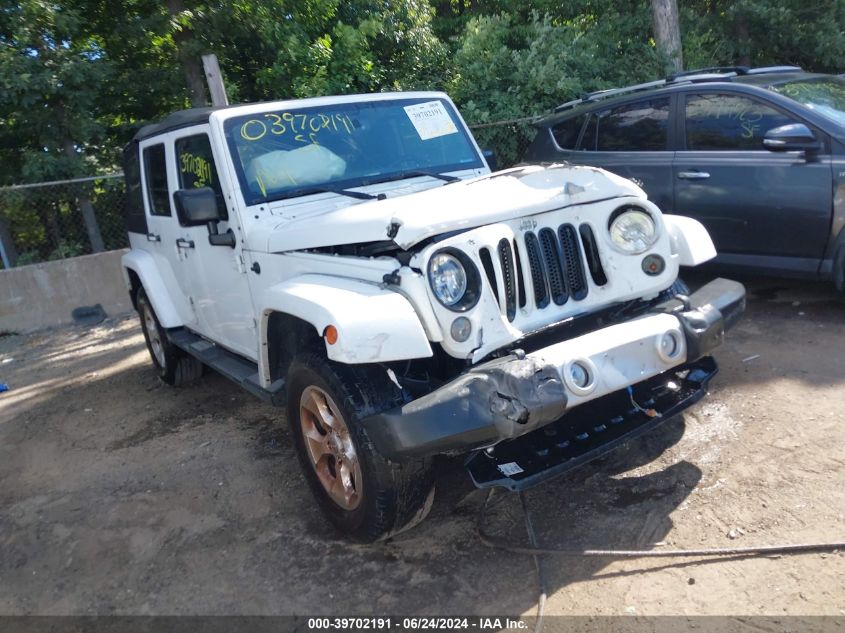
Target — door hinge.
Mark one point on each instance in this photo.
(241, 264)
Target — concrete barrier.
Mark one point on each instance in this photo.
(44, 295)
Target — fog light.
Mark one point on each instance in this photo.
(580, 376)
(670, 345)
(461, 329)
(653, 265)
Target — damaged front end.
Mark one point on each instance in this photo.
(524, 419)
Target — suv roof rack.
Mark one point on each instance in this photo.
(604, 94)
(713, 73)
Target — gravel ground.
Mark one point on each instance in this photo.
(121, 495)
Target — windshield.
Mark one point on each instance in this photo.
(825, 95)
(284, 153)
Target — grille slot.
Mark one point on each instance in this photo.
(535, 267)
(552, 262)
(576, 282)
(487, 262)
(520, 276)
(508, 278)
(592, 252)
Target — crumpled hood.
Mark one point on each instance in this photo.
(450, 207)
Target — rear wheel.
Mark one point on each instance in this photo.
(362, 493)
(174, 366)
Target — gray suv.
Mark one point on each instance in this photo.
(756, 155)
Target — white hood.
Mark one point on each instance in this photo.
(450, 207)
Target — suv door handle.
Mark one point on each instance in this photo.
(153, 237)
(183, 243)
(693, 175)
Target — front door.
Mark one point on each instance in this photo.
(214, 277)
(763, 209)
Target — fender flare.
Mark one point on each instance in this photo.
(169, 309)
(690, 241)
(374, 324)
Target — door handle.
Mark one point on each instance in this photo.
(183, 243)
(153, 237)
(693, 175)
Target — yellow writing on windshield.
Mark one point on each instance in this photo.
(303, 128)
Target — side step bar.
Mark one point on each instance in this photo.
(236, 368)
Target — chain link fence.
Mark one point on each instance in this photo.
(66, 218)
(63, 218)
(508, 139)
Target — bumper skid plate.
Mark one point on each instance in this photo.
(591, 430)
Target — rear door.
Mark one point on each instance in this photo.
(763, 209)
(162, 225)
(632, 140)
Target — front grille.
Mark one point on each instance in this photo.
(557, 264)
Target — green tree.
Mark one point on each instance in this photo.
(50, 67)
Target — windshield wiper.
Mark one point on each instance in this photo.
(412, 173)
(360, 195)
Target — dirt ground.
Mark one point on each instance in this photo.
(121, 495)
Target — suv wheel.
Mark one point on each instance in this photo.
(363, 494)
(174, 366)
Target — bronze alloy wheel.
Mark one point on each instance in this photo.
(330, 447)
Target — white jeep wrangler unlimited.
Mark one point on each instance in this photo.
(355, 258)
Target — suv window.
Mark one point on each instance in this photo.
(155, 175)
(641, 126)
(566, 133)
(729, 122)
(195, 166)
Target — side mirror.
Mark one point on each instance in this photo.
(490, 157)
(791, 138)
(196, 206)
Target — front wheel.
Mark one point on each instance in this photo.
(362, 493)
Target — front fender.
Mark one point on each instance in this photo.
(690, 240)
(374, 325)
(171, 310)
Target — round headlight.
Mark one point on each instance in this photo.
(448, 278)
(633, 231)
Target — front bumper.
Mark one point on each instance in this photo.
(512, 396)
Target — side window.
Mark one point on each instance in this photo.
(195, 165)
(135, 220)
(729, 122)
(155, 176)
(566, 133)
(633, 127)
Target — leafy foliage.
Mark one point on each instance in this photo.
(79, 77)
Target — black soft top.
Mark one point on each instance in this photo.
(179, 119)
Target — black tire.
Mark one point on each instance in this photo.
(393, 496)
(174, 366)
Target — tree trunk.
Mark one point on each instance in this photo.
(10, 253)
(95, 238)
(667, 33)
(183, 37)
(743, 41)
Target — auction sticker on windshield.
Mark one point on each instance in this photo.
(431, 119)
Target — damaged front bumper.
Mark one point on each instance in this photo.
(496, 402)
